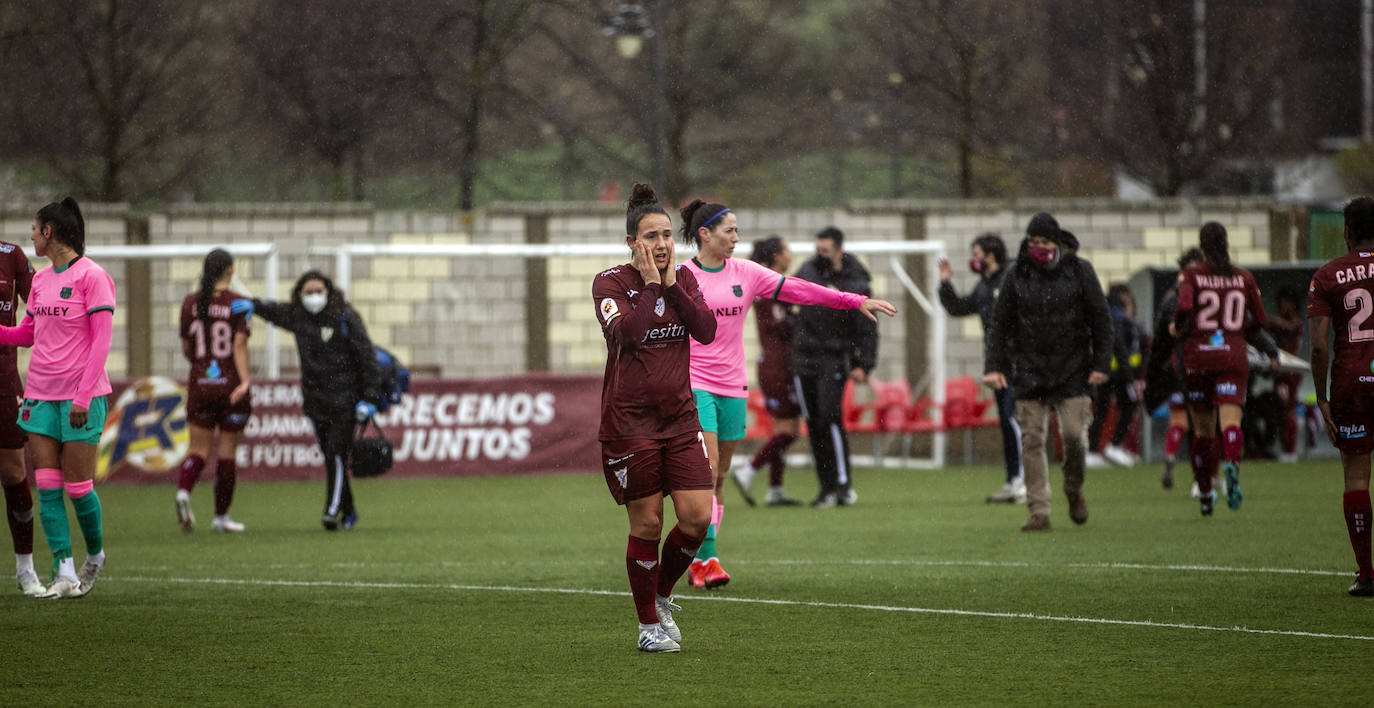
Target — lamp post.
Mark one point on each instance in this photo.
(631, 26)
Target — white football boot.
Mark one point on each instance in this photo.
(654, 640)
(666, 606)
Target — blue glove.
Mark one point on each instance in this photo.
(242, 307)
(364, 410)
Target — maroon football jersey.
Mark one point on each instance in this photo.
(16, 276)
(1344, 291)
(209, 344)
(1217, 309)
(775, 337)
(646, 392)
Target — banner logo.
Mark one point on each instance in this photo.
(145, 429)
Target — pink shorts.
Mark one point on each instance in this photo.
(641, 467)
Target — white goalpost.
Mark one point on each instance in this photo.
(932, 381)
(156, 252)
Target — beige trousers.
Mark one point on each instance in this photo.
(1075, 415)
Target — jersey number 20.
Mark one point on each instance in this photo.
(1232, 310)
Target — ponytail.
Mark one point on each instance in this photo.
(643, 202)
(699, 214)
(68, 227)
(1212, 239)
(216, 263)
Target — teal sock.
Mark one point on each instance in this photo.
(88, 516)
(708, 545)
(52, 512)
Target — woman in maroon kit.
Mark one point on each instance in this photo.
(651, 441)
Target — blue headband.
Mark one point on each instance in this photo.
(708, 222)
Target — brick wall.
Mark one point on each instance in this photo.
(466, 315)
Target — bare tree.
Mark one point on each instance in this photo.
(325, 77)
(456, 59)
(115, 99)
(1170, 96)
(720, 62)
(968, 71)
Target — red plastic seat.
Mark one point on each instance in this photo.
(760, 423)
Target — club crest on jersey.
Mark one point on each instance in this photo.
(658, 307)
(326, 333)
(608, 309)
(66, 292)
(737, 290)
(621, 475)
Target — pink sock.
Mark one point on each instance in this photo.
(48, 478)
(76, 490)
(1232, 443)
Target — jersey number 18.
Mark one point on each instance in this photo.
(221, 339)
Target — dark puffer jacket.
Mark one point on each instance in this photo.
(1050, 327)
(827, 341)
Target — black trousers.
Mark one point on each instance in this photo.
(334, 433)
(1126, 403)
(822, 397)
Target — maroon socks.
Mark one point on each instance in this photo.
(19, 512)
(641, 563)
(226, 473)
(1204, 462)
(772, 454)
(1357, 513)
(1232, 444)
(678, 552)
(190, 472)
(1173, 439)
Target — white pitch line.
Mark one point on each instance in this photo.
(838, 561)
(751, 601)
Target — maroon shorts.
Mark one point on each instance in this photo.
(1353, 416)
(1209, 389)
(642, 467)
(215, 411)
(779, 393)
(12, 437)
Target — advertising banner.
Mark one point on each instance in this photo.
(528, 424)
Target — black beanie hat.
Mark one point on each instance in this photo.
(1043, 224)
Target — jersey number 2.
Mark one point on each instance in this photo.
(221, 338)
(1359, 299)
(1232, 310)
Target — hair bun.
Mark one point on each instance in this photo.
(640, 195)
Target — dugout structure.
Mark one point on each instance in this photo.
(923, 317)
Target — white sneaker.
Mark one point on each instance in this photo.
(1018, 490)
(777, 497)
(89, 573)
(1218, 486)
(63, 588)
(743, 476)
(29, 583)
(848, 498)
(1119, 456)
(224, 524)
(185, 517)
(1288, 457)
(1094, 461)
(665, 607)
(654, 640)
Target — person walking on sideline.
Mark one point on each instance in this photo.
(988, 263)
(1051, 340)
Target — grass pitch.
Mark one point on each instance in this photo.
(512, 590)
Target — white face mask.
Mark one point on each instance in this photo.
(314, 302)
